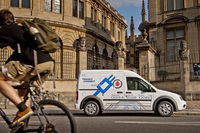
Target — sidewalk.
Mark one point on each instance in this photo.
(187, 112)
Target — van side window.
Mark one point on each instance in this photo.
(143, 86)
(132, 83)
(136, 84)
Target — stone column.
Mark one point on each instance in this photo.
(121, 63)
(146, 61)
(185, 71)
(82, 54)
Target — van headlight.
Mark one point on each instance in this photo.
(181, 97)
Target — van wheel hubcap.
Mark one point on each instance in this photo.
(165, 109)
(91, 109)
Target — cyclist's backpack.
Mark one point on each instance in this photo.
(48, 34)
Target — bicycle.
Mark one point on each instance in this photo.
(48, 96)
(46, 113)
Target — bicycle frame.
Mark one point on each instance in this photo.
(5, 117)
(35, 108)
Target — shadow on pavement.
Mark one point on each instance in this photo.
(118, 113)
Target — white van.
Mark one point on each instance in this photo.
(99, 90)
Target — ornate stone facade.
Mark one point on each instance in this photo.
(85, 35)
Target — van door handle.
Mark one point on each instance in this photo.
(119, 92)
(128, 92)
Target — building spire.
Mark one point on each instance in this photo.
(132, 30)
(132, 23)
(143, 13)
(126, 35)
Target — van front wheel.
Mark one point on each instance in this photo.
(165, 108)
(91, 108)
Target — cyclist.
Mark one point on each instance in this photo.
(19, 67)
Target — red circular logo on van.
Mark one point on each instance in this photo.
(117, 83)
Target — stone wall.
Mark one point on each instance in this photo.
(65, 92)
(173, 86)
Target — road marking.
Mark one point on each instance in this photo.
(160, 123)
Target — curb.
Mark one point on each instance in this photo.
(188, 112)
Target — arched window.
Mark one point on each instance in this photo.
(175, 31)
(20, 3)
(174, 38)
(53, 6)
(93, 58)
(65, 63)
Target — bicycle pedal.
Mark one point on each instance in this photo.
(16, 127)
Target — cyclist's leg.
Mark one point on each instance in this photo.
(21, 93)
(15, 71)
(8, 91)
(47, 68)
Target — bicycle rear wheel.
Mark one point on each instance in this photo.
(55, 116)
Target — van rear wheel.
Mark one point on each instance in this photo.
(91, 108)
(165, 109)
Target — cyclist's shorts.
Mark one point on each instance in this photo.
(19, 72)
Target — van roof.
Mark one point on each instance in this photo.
(126, 72)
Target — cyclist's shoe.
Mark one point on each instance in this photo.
(20, 116)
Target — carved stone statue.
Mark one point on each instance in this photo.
(184, 52)
(82, 42)
(120, 49)
(144, 35)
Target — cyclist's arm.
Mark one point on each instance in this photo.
(6, 41)
(12, 33)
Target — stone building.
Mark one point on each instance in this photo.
(133, 41)
(92, 36)
(167, 51)
(173, 24)
(172, 21)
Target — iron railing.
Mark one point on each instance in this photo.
(65, 63)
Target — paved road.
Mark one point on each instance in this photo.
(132, 123)
(138, 123)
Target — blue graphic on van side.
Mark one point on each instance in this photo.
(105, 80)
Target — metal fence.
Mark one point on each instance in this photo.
(4, 55)
(165, 70)
(65, 63)
(194, 66)
(99, 62)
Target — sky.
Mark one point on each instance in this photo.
(128, 8)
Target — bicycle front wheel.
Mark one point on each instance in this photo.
(54, 117)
